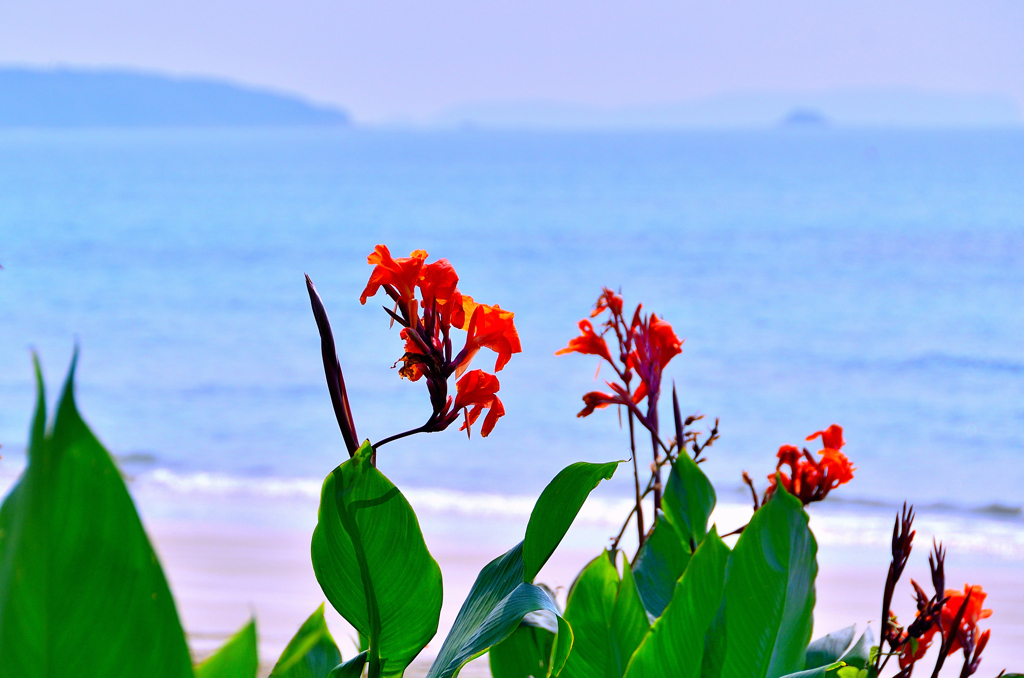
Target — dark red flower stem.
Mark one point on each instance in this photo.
(947, 642)
(902, 543)
(404, 434)
(636, 482)
(332, 370)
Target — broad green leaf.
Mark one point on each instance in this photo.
(502, 593)
(715, 644)
(589, 611)
(828, 649)
(607, 618)
(555, 510)
(675, 645)
(311, 653)
(769, 592)
(689, 500)
(353, 668)
(659, 564)
(237, 658)
(849, 663)
(630, 624)
(524, 654)
(494, 609)
(373, 566)
(81, 589)
(860, 654)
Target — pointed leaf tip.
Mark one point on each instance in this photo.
(556, 509)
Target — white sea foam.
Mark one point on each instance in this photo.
(841, 525)
(834, 525)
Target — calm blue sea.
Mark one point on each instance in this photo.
(869, 278)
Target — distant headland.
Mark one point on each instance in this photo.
(111, 98)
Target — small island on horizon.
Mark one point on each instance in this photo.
(805, 117)
(63, 98)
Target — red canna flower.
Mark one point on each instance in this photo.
(831, 438)
(426, 324)
(476, 391)
(811, 479)
(401, 274)
(655, 345)
(588, 343)
(969, 624)
(838, 469)
(596, 400)
(489, 327)
(437, 283)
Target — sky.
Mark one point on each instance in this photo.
(399, 60)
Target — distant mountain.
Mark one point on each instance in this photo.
(79, 98)
(842, 108)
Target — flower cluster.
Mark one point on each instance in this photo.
(950, 614)
(966, 636)
(644, 347)
(810, 479)
(646, 344)
(428, 305)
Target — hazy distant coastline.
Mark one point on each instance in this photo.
(61, 98)
(901, 108)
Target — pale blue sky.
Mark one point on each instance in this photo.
(398, 59)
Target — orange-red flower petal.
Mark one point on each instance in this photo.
(838, 469)
(832, 437)
(437, 283)
(493, 328)
(477, 391)
(402, 273)
(588, 343)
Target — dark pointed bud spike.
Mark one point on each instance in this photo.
(680, 444)
(332, 370)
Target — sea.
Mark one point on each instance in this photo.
(872, 278)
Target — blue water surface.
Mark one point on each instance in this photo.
(871, 278)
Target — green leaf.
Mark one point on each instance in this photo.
(555, 510)
(373, 565)
(715, 645)
(860, 654)
(524, 654)
(828, 649)
(819, 672)
(849, 663)
(659, 564)
(81, 589)
(311, 653)
(607, 618)
(494, 609)
(237, 658)
(353, 668)
(769, 592)
(689, 500)
(630, 624)
(502, 593)
(675, 645)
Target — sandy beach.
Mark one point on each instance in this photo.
(223, 572)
